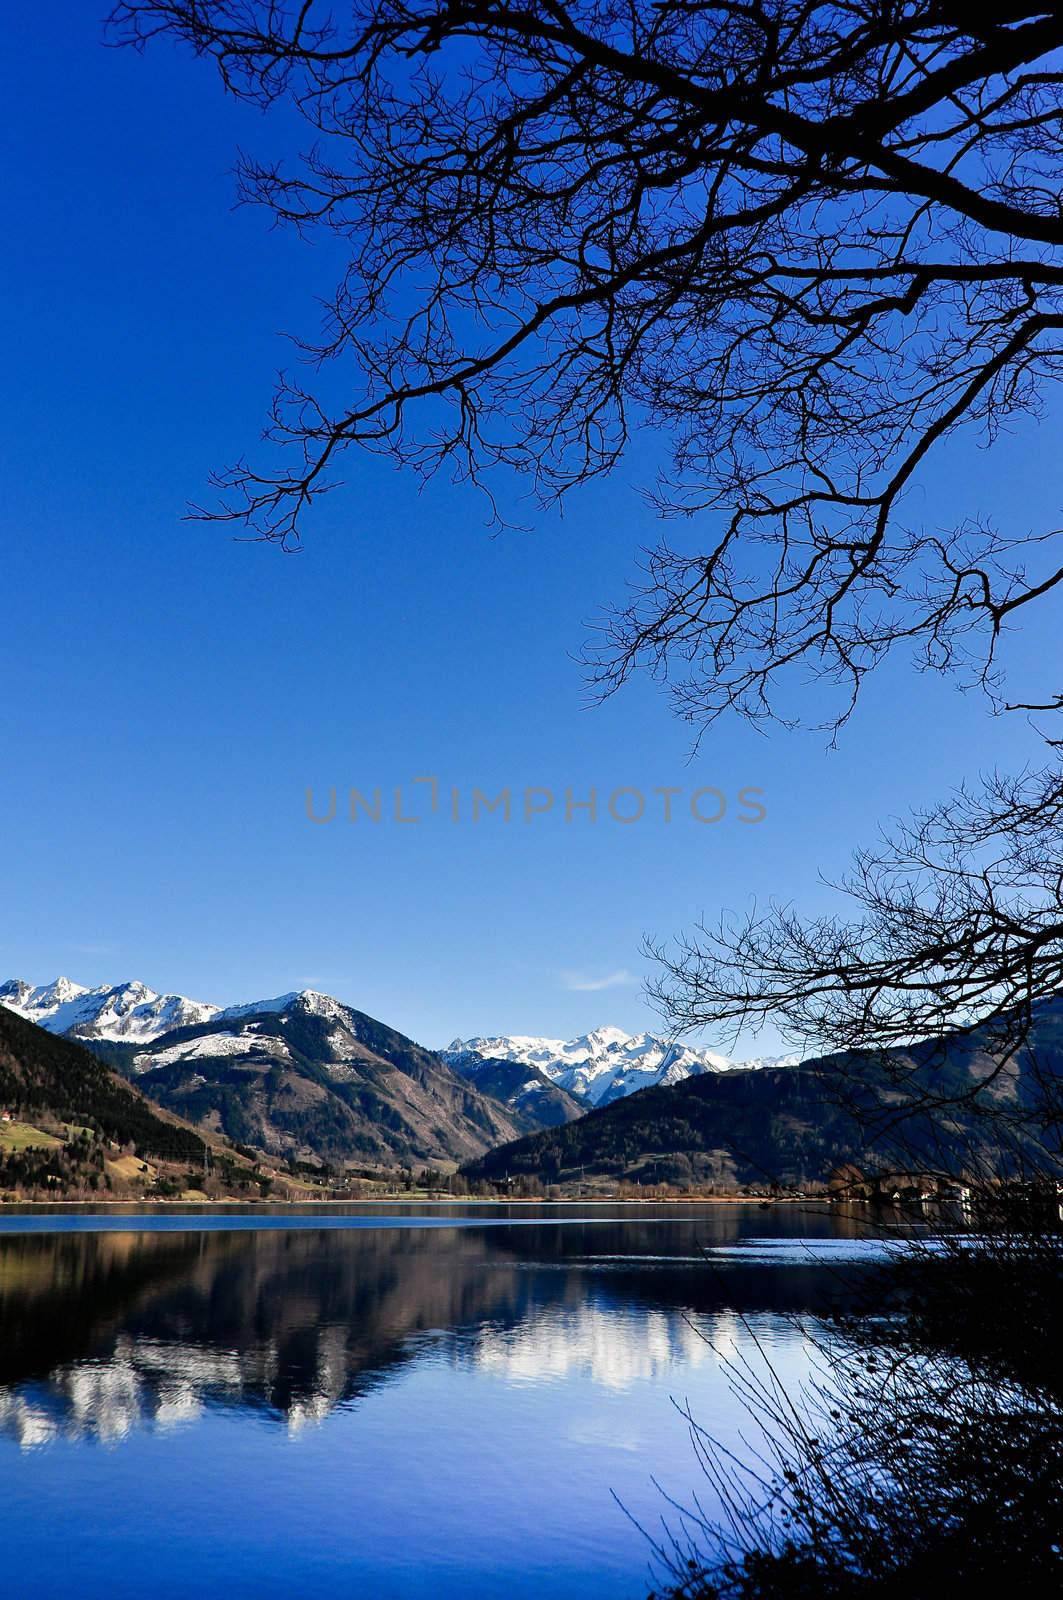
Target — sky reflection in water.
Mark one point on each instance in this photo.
(394, 1411)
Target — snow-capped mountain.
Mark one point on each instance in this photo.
(596, 1068)
(305, 1075)
(310, 1001)
(607, 1063)
(533, 1099)
(299, 1075)
(124, 1011)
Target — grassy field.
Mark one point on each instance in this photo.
(128, 1168)
(16, 1136)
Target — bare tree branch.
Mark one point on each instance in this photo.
(808, 242)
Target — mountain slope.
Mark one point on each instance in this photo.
(532, 1100)
(794, 1126)
(606, 1064)
(305, 1075)
(322, 1107)
(81, 1105)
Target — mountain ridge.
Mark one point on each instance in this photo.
(526, 1090)
(933, 1104)
(305, 1076)
(563, 1077)
(607, 1064)
(109, 1011)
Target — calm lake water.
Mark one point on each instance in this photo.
(418, 1404)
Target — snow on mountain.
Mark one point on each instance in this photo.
(757, 1063)
(133, 1013)
(125, 1011)
(253, 1008)
(606, 1064)
(597, 1067)
(310, 1001)
(532, 1098)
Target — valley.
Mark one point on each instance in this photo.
(131, 1093)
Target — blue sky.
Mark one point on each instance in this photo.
(169, 693)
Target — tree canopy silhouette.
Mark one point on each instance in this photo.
(808, 241)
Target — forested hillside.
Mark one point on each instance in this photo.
(67, 1115)
(902, 1111)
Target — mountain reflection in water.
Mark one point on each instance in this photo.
(102, 1333)
(394, 1407)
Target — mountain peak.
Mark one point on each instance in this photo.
(311, 1001)
(250, 1008)
(125, 1011)
(607, 1063)
(65, 989)
(321, 1005)
(611, 1037)
(134, 1011)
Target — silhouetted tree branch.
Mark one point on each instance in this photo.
(956, 922)
(809, 242)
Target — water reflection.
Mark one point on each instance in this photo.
(103, 1334)
(607, 1346)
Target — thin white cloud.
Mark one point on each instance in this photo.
(579, 984)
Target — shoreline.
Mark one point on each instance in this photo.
(326, 1207)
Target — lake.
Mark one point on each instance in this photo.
(404, 1403)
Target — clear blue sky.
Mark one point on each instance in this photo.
(169, 694)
